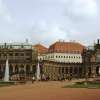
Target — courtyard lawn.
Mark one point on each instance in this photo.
(83, 85)
(2, 83)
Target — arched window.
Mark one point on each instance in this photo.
(16, 69)
(28, 69)
(10, 69)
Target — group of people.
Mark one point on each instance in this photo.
(62, 77)
(42, 78)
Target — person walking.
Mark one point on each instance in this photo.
(33, 79)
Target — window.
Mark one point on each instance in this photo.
(11, 46)
(10, 54)
(22, 46)
(52, 56)
(5, 55)
(62, 69)
(27, 54)
(16, 54)
(22, 54)
(28, 59)
(78, 52)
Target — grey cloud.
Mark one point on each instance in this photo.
(50, 20)
(4, 13)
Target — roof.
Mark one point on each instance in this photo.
(16, 45)
(41, 49)
(66, 47)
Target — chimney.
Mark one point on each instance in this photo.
(97, 41)
(26, 40)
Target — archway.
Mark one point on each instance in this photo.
(21, 71)
(1, 73)
(0, 68)
(89, 71)
(10, 69)
(28, 69)
(98, 70)
(16, 69)
(75, 70)
(34, 69)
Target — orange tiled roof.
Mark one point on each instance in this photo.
(66, 47)
(40, 48)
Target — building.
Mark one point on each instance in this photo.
(66, 52)
(91, 60)
(19, 56)
(40, 49)
(63, 60)
(41, 52)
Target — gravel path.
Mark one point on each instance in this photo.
(47, 91)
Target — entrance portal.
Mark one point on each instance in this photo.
(98, 70)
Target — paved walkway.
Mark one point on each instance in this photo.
(47, 91)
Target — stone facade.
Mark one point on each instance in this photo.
(88, 66)
(62, 60)
(60, 71)
(20, 59)
(91, 60)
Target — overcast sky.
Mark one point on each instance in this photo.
(46, 21)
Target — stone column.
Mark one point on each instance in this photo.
(64, 72)
(73, 71)
(57, 70)
(13, 66)
(78, 71)
(2, 68)
(68, 70)
(25, 68)
(93, 71)
(31, 67)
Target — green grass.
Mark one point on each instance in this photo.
(88, 85)
(2, 83)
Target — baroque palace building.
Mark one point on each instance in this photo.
(91, 60)
(21, 61)
(72, 59)
(41, 52)
(60, 61)
(63, 60)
